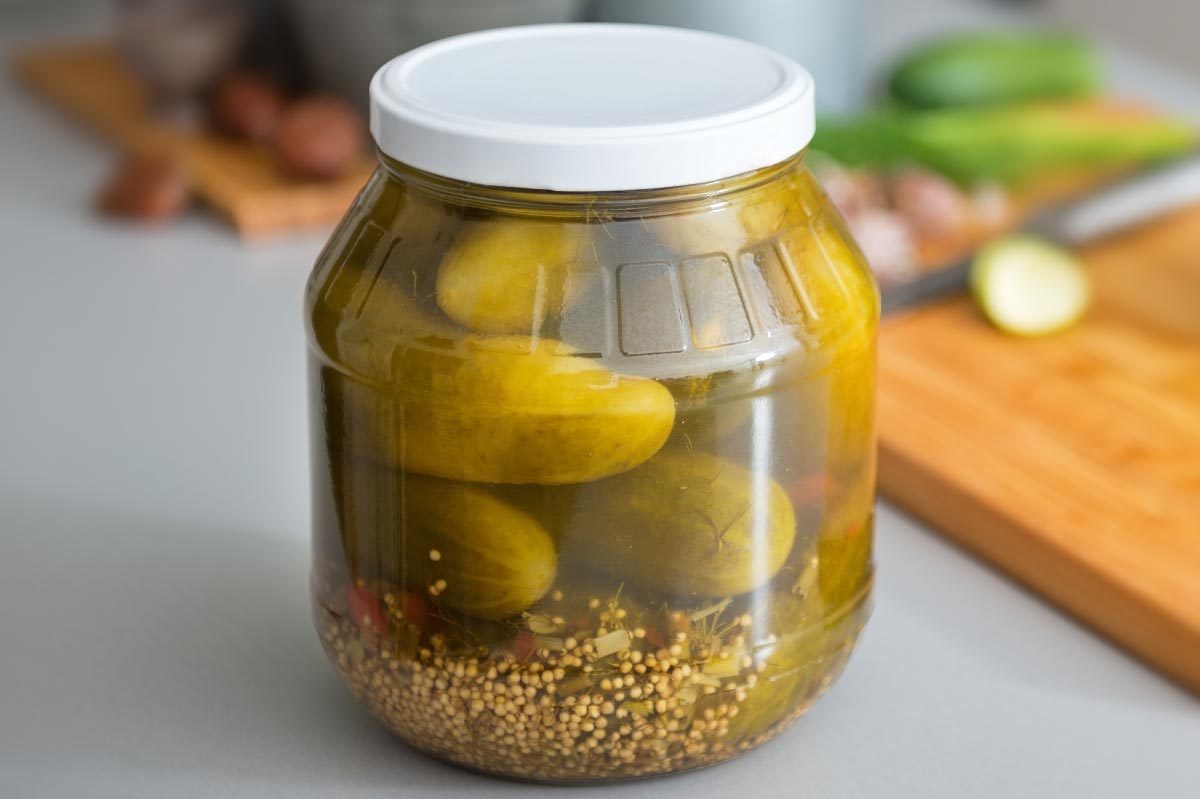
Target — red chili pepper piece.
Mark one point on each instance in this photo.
(656, 637)
(812, 490)
(522, 644)
(365, 609)
(415, 607)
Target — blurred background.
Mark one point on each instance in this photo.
(257, 110)
(169, 170)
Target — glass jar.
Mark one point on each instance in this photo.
(593, 468)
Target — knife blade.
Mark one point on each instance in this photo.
(1116, 207)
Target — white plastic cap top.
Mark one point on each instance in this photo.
(591, 107)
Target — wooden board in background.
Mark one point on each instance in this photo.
(1071, 462)
(239, 179)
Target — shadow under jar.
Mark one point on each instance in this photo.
(593, 462)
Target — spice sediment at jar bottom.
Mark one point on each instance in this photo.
(594, 684)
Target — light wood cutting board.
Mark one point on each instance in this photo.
(238, 179)
(1071, 462)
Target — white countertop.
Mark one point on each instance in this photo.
(154, 627)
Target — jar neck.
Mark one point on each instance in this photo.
(607, 205)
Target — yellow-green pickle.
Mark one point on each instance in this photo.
(593, 469)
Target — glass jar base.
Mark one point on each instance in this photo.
(509, 719)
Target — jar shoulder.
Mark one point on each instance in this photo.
(690, 288)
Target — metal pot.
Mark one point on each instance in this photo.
(826, 36)
(345, 41)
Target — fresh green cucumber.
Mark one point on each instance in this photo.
(996, 68)
(1015, 144)
(1010, 144)
(1029, 287)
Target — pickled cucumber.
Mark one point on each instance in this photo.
(743, 220)
(840, 296)
(845, 544)
(811, 613)
(468, 549)
(851, 419)
(685, 524)
(791, 204)
(839, 287)
(794, 654)
(711, 407)
(507, 410)
(553, 506)
(807, 649)
(508, 276)
(717, 230)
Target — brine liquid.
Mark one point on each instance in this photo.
(610, 524)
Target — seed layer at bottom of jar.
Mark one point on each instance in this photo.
(605, 704)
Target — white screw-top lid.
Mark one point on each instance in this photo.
(591, 107)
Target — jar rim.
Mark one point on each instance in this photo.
(616, 204)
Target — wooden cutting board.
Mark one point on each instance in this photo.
(1071, 462)
(239, 179)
